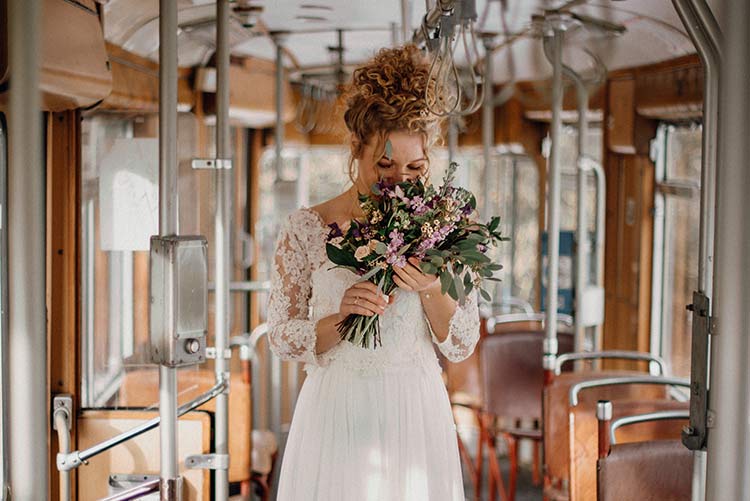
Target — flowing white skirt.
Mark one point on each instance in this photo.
(380, 437)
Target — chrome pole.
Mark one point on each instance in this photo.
(28, 405)
(729, 438)
(223, 243)
(553, 204)
(170, 488)
(278, 39)
(4, 383)
(405, 20)
(488, 124)
(706, 36)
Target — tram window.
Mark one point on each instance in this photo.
(676, 225)
(114, 257)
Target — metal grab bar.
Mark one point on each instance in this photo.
(245, 286)
(61, 419)
(508, 318)
(621, 354)
(577, 388)
(640, 418)
(136, 492)
(72, 460)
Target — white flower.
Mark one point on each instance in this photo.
(336, 242)
(362, 252)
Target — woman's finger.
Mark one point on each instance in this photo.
(400, 283)
(356, 310)
(365, 295)
(374, 306)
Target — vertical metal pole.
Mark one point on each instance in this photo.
(704, 31)
(729, 438)
(553, 206)
(584, 243)
(4, 383)
(405, 20)
(223, 242)
(488, 122)
(29, 473)
(452, 139)
(279, 130)
(170, 488)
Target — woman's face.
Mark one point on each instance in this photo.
(403, 160)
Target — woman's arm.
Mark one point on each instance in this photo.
(454, 328)
(292, 334)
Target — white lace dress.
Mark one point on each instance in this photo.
(369, 424)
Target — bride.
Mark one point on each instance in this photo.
(370, 424)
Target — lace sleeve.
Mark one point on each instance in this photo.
(291, 333)
(463, 331)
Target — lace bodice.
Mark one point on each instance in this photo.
(305, 288)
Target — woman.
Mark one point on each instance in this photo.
(370, 424)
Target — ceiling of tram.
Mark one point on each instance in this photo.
(653, 31)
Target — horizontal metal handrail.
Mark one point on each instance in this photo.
(136, 492)
(620, 354)
(611, 381)
(75, 459)
(508, 318)
(642, 418)
(245, 286)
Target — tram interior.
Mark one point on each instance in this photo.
(591, 416)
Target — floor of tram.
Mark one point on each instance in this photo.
(525, 489)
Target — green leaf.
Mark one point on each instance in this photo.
(445, 281)
(460, 292)
(485, 294)
(380, 247)
(340, 256)
(437, 260)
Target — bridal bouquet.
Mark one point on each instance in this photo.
(413, 219)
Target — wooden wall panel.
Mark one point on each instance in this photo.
(141, 454)
(630, 183)
(63, 301)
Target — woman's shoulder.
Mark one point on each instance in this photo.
(303, 222)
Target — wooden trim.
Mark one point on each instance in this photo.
(63, 272)
(135, 83)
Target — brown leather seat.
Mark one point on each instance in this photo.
(659, 470)
(570, 439)
(512, 380)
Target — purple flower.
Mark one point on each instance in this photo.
(418, 205)
(335, 231)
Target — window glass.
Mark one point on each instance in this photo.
(677, 220)
(117, 168)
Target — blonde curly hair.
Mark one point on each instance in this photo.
(387, 94)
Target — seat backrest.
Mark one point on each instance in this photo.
(512, 376)
(583, 427)
(557, 414)
(646, 471)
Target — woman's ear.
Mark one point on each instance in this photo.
(356, 147)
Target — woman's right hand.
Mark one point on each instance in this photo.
(363, 298)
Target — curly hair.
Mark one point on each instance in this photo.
(387, 94)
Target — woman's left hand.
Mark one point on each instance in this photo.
(411, 278)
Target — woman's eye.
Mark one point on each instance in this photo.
(384, 165)
(416, 167)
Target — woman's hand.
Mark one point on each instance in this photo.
(363, 298)
(411, 278)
